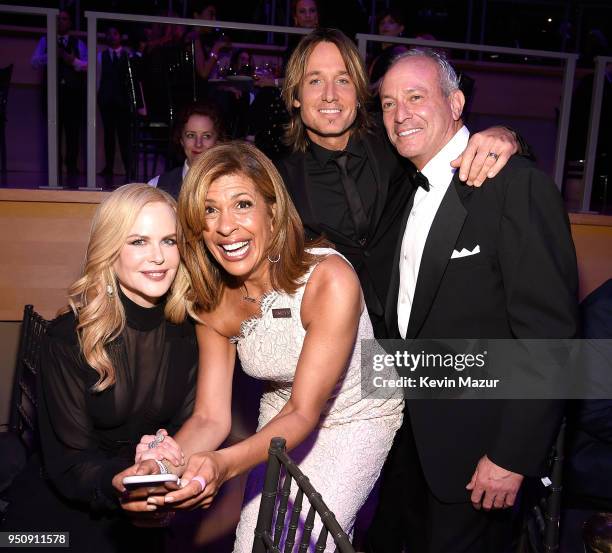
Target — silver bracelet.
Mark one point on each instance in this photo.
(163, 469)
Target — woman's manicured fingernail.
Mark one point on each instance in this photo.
(151, 507)
(151, 501)
(169, 499)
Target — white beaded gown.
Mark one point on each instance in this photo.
(344, 455)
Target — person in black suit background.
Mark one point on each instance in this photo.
(114, 101)
(346, 181)
(490, 262)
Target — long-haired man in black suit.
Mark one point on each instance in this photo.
(346, 180)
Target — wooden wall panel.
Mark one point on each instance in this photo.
(43, 235)
(593, 239)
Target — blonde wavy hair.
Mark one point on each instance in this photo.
(100, 316)
(208, 279)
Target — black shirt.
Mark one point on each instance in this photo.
(328, 196)
(88, 437)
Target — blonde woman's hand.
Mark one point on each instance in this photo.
(138, 503)
(166, 449)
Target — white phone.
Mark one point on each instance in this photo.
(149, 480)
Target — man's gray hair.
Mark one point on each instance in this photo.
(449, 81)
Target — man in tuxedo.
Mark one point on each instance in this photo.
(490, 262)
(346, 181)
(114, 102)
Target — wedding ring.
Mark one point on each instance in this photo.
(494, 155)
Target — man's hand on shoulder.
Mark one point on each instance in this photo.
(492, 486)
(486, 153)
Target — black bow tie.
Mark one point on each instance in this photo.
(421, 180)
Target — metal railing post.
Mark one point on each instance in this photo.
(51, 24)
(52, 125)
(590, 157)
(564, 117)
(92, 25)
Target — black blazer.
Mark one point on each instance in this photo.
(113, 91)
(522, 284)
(171, 181)
(371, 260)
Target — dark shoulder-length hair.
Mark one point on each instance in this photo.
(295, 134)
(287, 241)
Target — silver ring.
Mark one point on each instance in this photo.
(159, 438)
(493, 155)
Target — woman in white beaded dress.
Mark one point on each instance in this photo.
(296, 318)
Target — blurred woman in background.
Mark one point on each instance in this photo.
(198, 128)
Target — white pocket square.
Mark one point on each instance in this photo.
(465, 252)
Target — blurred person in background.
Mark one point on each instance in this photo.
(390, 23)
(114, 102)
(198, 128)
(305, 14)
(71, 68)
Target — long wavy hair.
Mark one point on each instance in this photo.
(100, 314)
(208, 279)
(295, 133)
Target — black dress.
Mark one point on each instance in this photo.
(88, 437)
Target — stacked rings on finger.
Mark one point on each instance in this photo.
(493, 155)
(159, 438)
(163, 469)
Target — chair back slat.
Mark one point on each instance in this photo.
(294, 521)
(553, 502)
(330, 526)
(269, 543)
(281, 513)
(23, 417)
(268, 497)
(308, 527)
(322, 541)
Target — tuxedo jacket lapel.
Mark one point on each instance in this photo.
(439, 246)
(391, 303)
